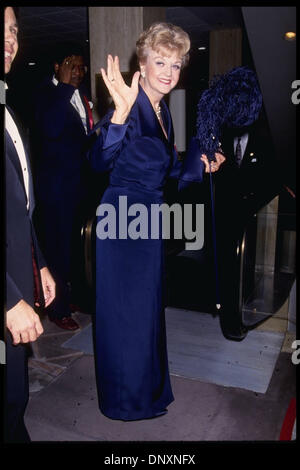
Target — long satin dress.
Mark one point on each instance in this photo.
(131, 353)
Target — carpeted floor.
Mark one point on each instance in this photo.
(198, 350)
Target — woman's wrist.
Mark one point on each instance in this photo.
(119, 117)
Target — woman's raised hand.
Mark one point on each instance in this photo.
(122, 95)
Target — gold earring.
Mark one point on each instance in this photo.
(143, 73)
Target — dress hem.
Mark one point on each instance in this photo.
(152, 414)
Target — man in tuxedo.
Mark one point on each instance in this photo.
(246, 182)
(24, 261)
(62, 121)
(250, 177)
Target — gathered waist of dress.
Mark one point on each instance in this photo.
(136, 187)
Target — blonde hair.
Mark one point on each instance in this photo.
(165, 35)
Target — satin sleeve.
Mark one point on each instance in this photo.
(189, 170)
(108, 144)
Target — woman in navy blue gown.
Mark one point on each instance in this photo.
(136, 143)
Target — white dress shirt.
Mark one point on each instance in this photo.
(244, 141)
(77, 103)
(12, 129)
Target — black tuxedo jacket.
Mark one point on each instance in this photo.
(256, 181)
(20, 233)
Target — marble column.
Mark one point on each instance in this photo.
(178, 112)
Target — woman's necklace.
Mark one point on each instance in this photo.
(157, 110)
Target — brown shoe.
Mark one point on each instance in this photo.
(66, 323)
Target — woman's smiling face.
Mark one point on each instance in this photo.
(161, 72)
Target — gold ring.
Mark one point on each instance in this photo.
(67, 62)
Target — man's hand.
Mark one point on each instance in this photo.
(48, 285)
(65, 70)
(23, 323)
